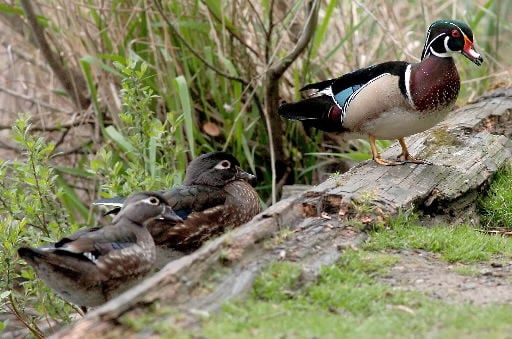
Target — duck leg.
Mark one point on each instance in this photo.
(376, 155)
(405, 157)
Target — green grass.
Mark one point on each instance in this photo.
(455, 243)
(496, 206)
(278, 282)
(346, 299)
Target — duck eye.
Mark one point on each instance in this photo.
(456, 33)
(224, 164)
(153, 201)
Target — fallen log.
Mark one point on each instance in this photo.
(313, 227)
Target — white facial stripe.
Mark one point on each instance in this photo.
(429, 46)
(446, 47)
(445, 43)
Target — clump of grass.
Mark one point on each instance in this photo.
(496, 206)
(458, 243)
(277, 282)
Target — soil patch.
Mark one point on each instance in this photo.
(485, 283)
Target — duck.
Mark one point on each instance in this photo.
(95, 264)
(394, 99)
(216, 195)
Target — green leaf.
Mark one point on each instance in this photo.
(181, 84)
(121, 141)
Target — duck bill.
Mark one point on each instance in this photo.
(170, 215)
(243, 175)
(469, 52)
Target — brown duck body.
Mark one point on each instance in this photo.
(95, 264)
(240, 203)
(78, 280)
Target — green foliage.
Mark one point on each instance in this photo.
(31, 212)
(143, 153)
(496, 205)
(458, 243)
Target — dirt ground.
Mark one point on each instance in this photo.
(490, 282)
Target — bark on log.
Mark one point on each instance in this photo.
(467, 149)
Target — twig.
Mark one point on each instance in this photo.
(193, 51)
(280, 67)
(274, 74)
(35, 331)
(30, 99)
(56, 128)
(65, 76)
(233, 33)
(389, 35)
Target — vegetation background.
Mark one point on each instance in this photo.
(119, 95)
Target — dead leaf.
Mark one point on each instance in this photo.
(402, 308)
(366, 220)
(211, 128)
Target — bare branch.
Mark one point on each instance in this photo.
(192, 50)
(31, 99)
(307, 34)
(274, 73)
(71, 82)
(232, 32)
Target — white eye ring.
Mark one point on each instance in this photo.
(152, 201)
(224, 164)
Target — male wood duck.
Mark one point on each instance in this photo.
(95, 264)
(215, 196)
(394, 99)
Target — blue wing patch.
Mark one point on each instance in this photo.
(342, 97)
(183, 213)
(120, 245)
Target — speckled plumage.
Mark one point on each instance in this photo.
(394, 99)
(216, 195)
(95, 264)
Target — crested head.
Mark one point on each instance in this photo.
(447, 37)
(142, 206)
(214, 169)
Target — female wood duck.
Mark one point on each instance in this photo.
(216, 195)
(95, 264)
(394, 99)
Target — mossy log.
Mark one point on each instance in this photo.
(313, 227)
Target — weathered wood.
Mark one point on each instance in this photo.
(311, 228)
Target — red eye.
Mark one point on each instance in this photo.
(456, 33)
